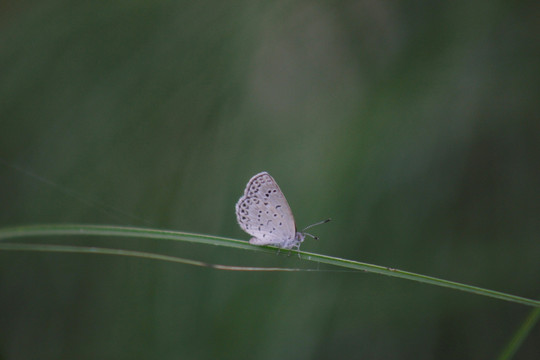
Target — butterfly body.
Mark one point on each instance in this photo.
(264, 213)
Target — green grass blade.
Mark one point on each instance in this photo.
(75, 249)
(50, 230)
(518, 338)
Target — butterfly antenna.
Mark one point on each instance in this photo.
(312, 225)
(311, 236)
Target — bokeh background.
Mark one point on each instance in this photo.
(414, 125)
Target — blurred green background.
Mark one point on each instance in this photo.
(414, 125)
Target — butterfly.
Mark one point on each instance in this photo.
(264, 213)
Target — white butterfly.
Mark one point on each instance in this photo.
(264, 213)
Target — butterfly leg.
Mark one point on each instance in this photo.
(298, 249)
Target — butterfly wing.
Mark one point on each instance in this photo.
(264, 213)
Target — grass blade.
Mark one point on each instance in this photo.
(103, 230)
(518, 338)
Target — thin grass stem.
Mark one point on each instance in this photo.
(133, 232)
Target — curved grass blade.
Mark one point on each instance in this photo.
(515, 343)
(75, 249)
(49, 230)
